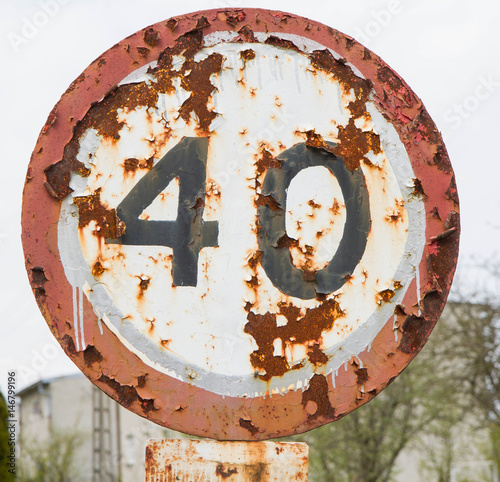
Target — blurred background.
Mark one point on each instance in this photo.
(440, 420)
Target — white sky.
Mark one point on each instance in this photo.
(444, 49)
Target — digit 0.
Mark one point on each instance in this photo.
(276, 259)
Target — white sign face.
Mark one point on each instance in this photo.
(248, 254)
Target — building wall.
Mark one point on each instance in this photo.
(66, 404)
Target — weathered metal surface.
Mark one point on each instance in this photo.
(240, 224)
(211, 461)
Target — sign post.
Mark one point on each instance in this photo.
(240, 224)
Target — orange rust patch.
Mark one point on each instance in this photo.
(279, 42)
(232, 17)
(144, 284)
(246, 34)
(386, 295)
(247, 54)
(198, 83)
(98, 269)
(58, 176)
(90, 209)
(355, 144)
(131, 164)
(307, 329)
(266, 161)
(317, 393)
(316, 356)
(267, 201)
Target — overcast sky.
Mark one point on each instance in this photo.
(447, 51)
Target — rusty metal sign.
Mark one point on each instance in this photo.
(240, 224)
(213, 461)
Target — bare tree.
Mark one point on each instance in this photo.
(364, 445)
(51, 460)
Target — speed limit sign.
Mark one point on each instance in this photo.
(240, 224)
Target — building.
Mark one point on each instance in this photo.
(75, 420)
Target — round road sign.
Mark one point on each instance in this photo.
(240, 224)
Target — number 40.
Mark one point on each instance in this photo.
(189, 233)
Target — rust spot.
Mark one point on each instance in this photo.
(316, 356)
(98, 269)
(91, 355)
(452, 192)
(323, 59)
(198, 83)
(267, 201)
(143, 51)
(150, 457)
(172, 24)
(144, 284)
(165, 343)
(68, 345)
(298, 330)
(417, 188)
(40, 295)
(126, 394)
(252, 282)
(355, 144)
(198, 204)
(316, 140)
(266, 161)
(246, 34)
(287, 242)
(141, 381)
(395, 85)
(247, 54)
(441, 159)
(202, 23)
(38, 276)
(415, 331)
(317, 392)
(279, 42)
(362, 375)
(58, 176)
(76, 82)
(447, 243)
(131, 164)
(434, 212)
(90, 209)
(151, 37)
(335, 207)
(426, 130)
(313, 204)
(400, 310)
(386, 295)
(280, 17)
(248, 425)
(255, 259)
(232, 17)
(221, 471)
